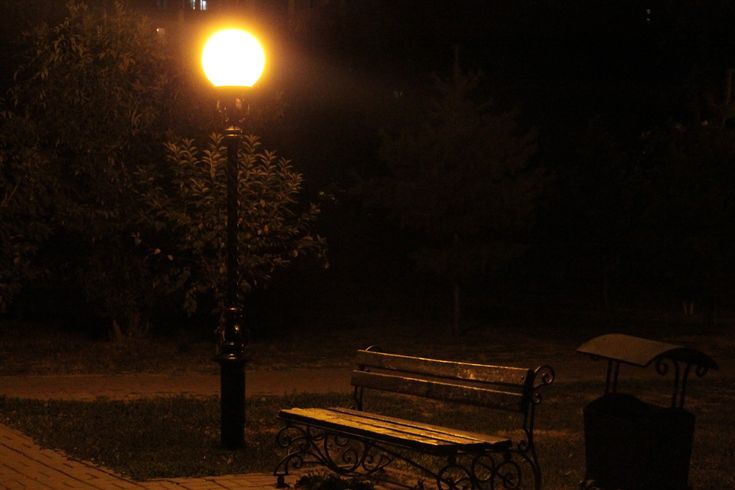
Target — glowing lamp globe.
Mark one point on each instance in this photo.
(233, 58)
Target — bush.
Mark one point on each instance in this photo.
(273, 229)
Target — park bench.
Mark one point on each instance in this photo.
(355, 442)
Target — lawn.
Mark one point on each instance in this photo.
(179, 436)
(174, 437)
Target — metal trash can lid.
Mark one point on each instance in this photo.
(642, 352)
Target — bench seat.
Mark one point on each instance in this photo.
(433, 439)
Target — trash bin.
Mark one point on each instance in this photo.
(631, 444)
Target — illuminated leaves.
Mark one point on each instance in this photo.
(273, 227)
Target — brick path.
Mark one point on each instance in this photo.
(25, 465)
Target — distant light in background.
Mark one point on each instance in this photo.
(233, 58)
(198, 4)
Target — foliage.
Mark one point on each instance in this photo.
(93, 97)
(273, 230)
(26, 192)
(459, 175)
(690, 217)
(86, 198)
(649, 198)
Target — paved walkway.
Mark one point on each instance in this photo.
(143, 385)
(25, 465)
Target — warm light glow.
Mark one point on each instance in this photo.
(233, 58)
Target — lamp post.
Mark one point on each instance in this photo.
(232, 60)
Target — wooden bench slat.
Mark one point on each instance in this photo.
(484, 373)
(439, 390)
(324, 418)
(408, 428)
(397, 431)
(496, 441)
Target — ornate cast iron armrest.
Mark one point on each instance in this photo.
(542, 376)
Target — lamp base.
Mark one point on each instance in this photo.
(232, 402)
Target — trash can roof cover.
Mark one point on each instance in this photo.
(642, 352)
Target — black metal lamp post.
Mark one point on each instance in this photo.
(233, 60)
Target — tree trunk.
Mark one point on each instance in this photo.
(134, 325)
(606, 284)
(116, 332)
(456, 308)
(456, 290)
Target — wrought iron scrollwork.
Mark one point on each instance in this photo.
(350, 456)
(454, 477)
(542, 376)
(356, 457)
(293, 436)
(490, 474)
(663, 366)
(342, 454)
(297, 441)
(666, 358)
(375, 460)
(701, 370)
(509, 474)
(484, 469)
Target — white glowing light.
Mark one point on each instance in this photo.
(233, 58)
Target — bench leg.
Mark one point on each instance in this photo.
(529, 456)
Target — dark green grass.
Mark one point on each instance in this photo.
(175, 437)
(162, 437)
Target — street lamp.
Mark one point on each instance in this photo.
(232, 60)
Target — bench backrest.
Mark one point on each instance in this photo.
(499, 387)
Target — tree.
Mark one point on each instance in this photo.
(459, 174)
(83, 139)
(273, 229)
(691, 214)
(603, 192)
(95, 94)
(26, 191)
